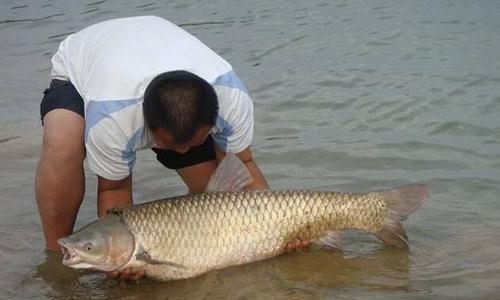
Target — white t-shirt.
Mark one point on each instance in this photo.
(111, 63)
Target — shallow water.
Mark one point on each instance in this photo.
(349, 95)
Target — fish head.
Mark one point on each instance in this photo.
(105, 244)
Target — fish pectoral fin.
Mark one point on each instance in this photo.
(230, 175)
(332, 239)
(145, 257)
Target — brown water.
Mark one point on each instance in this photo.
(349, 95)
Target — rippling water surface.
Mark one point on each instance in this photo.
(349, 95)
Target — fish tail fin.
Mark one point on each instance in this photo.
(402, 202)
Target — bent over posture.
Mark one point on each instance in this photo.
(129, 84)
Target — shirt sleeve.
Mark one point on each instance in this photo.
(59, 70)
(235, 122)
(107, 154)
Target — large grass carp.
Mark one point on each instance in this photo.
(185, 236)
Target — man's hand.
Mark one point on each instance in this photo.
(297, 245)
(127, 275)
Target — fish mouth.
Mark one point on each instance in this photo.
(70, 256)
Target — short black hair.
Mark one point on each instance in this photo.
(179, 102)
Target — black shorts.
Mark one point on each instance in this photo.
(62, 94)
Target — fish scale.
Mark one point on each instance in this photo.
(213, 230)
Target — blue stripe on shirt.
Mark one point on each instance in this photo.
(129, 154)
(230, 79)
(221, 137)
(98, 110)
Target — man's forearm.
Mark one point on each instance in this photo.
(113, 194)
(112, 199)
(259, 182)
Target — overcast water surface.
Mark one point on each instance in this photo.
(349, 95)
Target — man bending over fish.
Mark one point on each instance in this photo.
(129, 84)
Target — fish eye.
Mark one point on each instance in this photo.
(88, 246)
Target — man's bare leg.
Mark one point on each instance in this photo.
(60, 180)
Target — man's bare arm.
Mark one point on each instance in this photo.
(196, 176)
(116, 194)
(113, 194)
(259, 182)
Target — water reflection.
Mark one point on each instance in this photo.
(383, 269)
(307, 274)
(348, 94)
(67, 283)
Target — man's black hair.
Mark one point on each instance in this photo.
(179, 102)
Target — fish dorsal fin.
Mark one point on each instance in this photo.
(230, 175)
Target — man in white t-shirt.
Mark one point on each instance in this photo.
(129, 84)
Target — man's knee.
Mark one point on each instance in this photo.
(62, 152)
(63, 138)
